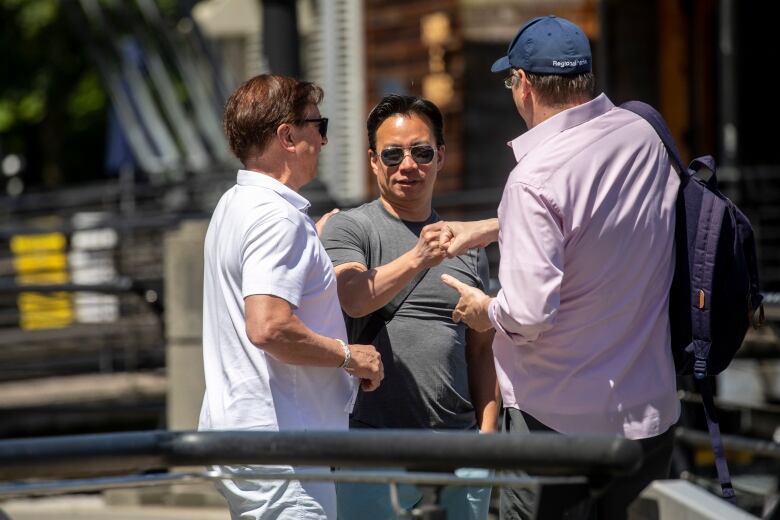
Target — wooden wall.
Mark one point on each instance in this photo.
(397, 61)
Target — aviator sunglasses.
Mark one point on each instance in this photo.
(322, 123)
(421, 154)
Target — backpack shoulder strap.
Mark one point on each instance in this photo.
(702, 274)
(656, 120)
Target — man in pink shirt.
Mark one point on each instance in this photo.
(586, 233)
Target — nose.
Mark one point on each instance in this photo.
(408, 162)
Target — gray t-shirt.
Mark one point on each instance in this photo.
(423, 350)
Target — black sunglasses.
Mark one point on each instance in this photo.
(322, 125)
(421, 154)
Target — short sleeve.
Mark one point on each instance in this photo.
(274, 259)
(477, 269)
(344, 240)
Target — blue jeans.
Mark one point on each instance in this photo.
(361, 501)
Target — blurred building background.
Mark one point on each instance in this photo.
(133, 91)
(113, 156)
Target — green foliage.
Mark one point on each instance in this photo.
(31, 107)
(87, 98)
(6, 115)
(52, 103)
(35, 15)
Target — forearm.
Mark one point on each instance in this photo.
(488, 231)
(362, 292)
(290, 341)
(483, 385)
(491, 410)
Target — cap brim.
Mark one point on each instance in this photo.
(501, 64)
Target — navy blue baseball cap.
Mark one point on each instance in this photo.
(548, 45)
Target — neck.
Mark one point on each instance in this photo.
(413, 212)
(276, 169)
(541, 112)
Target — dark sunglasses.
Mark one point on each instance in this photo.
(322, 125)
(421, 154)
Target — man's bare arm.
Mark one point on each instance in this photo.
(482, 379)
(272, 327)
(363, 291)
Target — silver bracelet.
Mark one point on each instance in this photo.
(347, 354)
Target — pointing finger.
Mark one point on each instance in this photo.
(453, 282)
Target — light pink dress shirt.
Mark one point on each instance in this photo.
(587, 243)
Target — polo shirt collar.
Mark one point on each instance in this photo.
(248, 178)
(561, 121)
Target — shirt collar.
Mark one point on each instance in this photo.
(561, 121)
(248, 178)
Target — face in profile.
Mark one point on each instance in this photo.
(407, 160)
(310, 140)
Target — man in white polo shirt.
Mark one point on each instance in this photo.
(274, 340)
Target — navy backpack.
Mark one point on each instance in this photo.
(714, 295)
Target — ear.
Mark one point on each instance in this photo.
(284, 133)
(523, 84)
(440, 158)
(375, 161)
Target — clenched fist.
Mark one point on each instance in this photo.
(458, 237)
(366, 363)
(427, 252)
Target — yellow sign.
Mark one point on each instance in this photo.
(41, 259)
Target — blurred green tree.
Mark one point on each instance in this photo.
(52, 103)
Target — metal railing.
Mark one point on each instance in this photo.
(78, 463)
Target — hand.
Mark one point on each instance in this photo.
(320, 225)
(366, 363)
(472, 306)
(458, 237)
(427, 252)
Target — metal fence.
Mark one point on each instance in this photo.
(58, 465)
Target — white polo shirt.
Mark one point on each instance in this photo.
(261, 241)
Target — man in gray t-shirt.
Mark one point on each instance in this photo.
(426, 381)
(438, 374)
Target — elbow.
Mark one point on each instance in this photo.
(356, 292)
(263, 334)
(353, 306)
(354, 310)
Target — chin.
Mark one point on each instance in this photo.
(408, 193)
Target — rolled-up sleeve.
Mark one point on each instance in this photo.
(531, 268)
